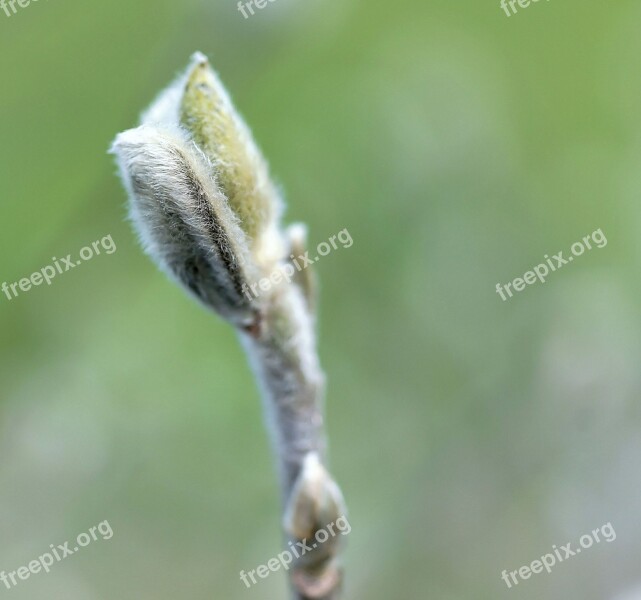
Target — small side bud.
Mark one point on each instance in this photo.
(315, 500)
(305, 278)
(315, 503)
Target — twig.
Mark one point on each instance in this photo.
(208, 214)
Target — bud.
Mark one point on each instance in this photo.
(315, 500)
(200, 194)
(183, 220)
(208, 114)
(304, 278)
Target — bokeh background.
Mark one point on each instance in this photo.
(458, 146)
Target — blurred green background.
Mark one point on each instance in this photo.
(458, 146)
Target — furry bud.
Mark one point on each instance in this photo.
(315, 500)
(183, 219)
(208, 114)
